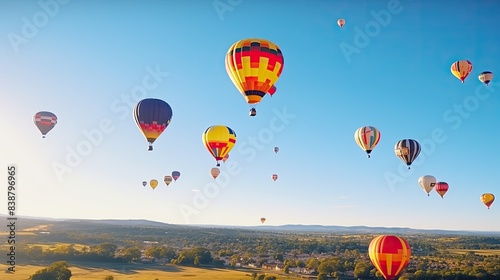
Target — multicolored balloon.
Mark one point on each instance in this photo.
(487, 199)
(215, 172)
(167, 179)
(254, 66)
(461, 69)
(219, 140)
(275, 177)
(341, 22)
(407, 150)
(45, 121)
(390, 254)
(152, 116)
(427, 183)
(367, 138)
(153, 183)
(441, 188)
(486, 77)
(176, 175)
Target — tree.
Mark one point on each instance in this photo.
(56, 271)
(286, 269)
(362, 270)
(131, 254)
(109, 278)
(322, 276)
(270, 278)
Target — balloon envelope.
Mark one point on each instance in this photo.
(153, 183)
(262, 220)
(486, 77)
(225, 158)
(272, 90)
(461, 69)
(341, 22)
(441, 188)
(152, 116)
(367, 138)
(427, 183)
(275, 177)
(215, 172)
(45, 121)
(167, 179)
(276, 149)
(219, 140)
(144, 183)
(254, 66)
(407, 150)
(176, 175)
(389, 254)
(487, 199)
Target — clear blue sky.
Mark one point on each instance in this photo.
(83, 60)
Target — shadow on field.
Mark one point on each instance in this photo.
(125, 268)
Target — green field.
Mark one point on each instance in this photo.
(137, 271)
(477, 252)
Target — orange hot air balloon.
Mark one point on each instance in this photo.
(487, 199)
(215, 172)
(225, 158)
(461, 69)
(341, 22)
(389, 254)
(275, 177)
(441, 188)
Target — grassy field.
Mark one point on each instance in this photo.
(477, 252)
(140, 272)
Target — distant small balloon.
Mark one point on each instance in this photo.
(341, 22)
(276, 149)
(176, 175)
(215, 172)
(486, 77)
(262, 220)
(144, 183)
(275, 177)
(153, 183)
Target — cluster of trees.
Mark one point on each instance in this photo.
(56, 271)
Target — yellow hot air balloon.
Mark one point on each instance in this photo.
(153, 183)
(486, 77)
(461, 69)
(215, 172)
(487, 199)
(254, 66)
(219, 140)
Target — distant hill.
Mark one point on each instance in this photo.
(28, 222)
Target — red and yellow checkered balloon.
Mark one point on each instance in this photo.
(389, 254)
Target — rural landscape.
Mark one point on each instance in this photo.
(141, 249)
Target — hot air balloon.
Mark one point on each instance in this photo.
(152, 116)
(275, 177)
(144, 183)
(389, 254)
(225, 158)
(461, 69)
(272, 90)
(45, 122)
(219, 140)
(367, 137)
(153, 183)
(427, 183)
(487, 199)
(262, 220)
(276, 149)
(215, 172)
(407, 150)
(341, 22)
(176, 175)
(167, 179)
(254, 66)
(441, 188)
(486, 77)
